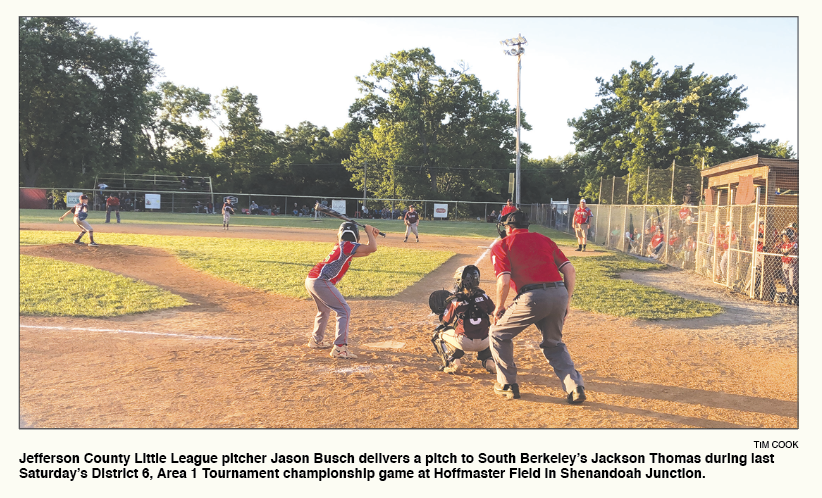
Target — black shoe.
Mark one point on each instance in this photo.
(418, 240)
(577, 396)
(583, 248)
(510, 391)
(406, 240)
(578, 248)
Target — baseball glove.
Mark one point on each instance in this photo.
(438, 301)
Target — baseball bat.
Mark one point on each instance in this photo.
(330, 212)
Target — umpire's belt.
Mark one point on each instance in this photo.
(543, 285)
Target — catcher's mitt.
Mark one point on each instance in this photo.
(438, 301)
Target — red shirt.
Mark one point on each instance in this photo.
(475, 327)
(684, 213)
(657, 239)
(334, 266)
(507, 210)
(529, 257)
(112, 201)
(582, 215)
(789, 248)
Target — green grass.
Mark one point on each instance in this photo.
(599, 289)
(276, 266)
(444, 228)
(84, 291)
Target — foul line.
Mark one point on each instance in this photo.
(477, 262)
(119, 331)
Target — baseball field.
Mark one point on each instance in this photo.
(173, 322)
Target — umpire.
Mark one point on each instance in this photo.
(532, 265)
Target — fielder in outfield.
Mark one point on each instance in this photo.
(321, 285)
(80, 211)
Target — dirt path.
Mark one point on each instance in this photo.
(236, 357)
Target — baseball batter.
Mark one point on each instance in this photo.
(80, 211)
(228, 210)
(412, 220)
(582, 221)
(321, 285)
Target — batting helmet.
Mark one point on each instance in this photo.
(466, 278)
(349, 231)
(516, 219)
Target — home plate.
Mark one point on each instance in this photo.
(385, 345)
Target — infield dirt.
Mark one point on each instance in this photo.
(237, 357)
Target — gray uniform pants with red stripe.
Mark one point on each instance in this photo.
(328, 298)
(544, 308)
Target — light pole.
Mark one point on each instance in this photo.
(518, 49)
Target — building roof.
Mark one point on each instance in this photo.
(748, 162)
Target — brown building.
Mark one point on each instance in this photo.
(778, 179)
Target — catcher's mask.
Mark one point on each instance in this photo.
(517, 219)
(349, 231)
(466, 278)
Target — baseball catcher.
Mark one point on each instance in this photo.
(464, 321)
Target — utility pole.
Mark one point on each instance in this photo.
(518, 49)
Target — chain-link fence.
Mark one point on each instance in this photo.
(677, 183)
(750, 249)
(193, 201)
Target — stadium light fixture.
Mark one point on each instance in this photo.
(518, 49)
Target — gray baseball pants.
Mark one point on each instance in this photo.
(328, 298)
(544, 308)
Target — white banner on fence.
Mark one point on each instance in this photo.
(440, 210)
(338, 205)
(152, 201)
(73, 198)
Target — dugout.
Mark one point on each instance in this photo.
(735, 182)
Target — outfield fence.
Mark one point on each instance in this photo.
(193, 201)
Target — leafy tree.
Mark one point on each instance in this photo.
(428, 132)
(245, 152)
(647, 119)
(172, 142)
(82, 101)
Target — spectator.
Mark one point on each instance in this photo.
(296, 211)
(657, 243)
(304, 210)
(690, 253)
(209, 207)
(790, 265)
(615, 236)
(364, 211)
(728, 240)
(492, 218)
(50, 200)
(253, 208)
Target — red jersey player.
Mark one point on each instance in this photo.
(321, 285)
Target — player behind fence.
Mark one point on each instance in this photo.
(465, 322)
(80, 211)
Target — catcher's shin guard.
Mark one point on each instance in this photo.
(441, 347)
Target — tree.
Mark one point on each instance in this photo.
(245, 152)
(171, 143)
(82, 100)
(647, 119)
(428, 132)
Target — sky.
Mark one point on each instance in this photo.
(304, 69)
